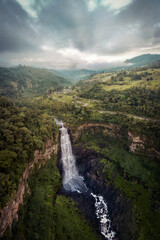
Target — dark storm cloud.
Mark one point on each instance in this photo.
(70, 23)
(16, 33)
(66, 21)
(62, 24)
(101, 30)
(144, 14)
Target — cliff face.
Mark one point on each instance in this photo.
(135, 143)
(9, 212)
(95, 173)
(109, 156)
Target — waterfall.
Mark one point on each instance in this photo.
(73, 182)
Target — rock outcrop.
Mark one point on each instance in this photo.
(137, 144)
(9, 212)
(110, 129)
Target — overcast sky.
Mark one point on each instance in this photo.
(75, 34)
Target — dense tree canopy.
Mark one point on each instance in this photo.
(25, 81)
(22, 130)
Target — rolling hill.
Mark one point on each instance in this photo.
(143, 60)
(28, 81)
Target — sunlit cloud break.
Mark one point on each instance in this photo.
(111, 4)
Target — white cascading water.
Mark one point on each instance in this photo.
(72, 181)
(102, 214)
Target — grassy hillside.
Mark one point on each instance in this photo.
(28, 81)
(134, 91)
(144, 59)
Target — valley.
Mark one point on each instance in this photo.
(79, 120)
(113, 121)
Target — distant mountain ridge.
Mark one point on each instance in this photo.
(143, 60)
(74, 75)
(28, 81)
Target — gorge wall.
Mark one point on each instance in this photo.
(135, 143)
(124, 164)
(10, 212)
(95, 174)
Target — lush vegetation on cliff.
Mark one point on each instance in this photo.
(136, 176)
(48, 216)
(22, 130)
(37, 219)
(70, 221)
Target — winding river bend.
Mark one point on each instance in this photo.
(73, 182)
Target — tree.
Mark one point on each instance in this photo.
(6, 160)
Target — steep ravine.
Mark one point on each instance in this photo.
(10, 212)
(119, 207)
(117, 162)
(75, 186)
(100, 175)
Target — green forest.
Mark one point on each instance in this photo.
(108, 114)
(135, 92)
(22, 131)
(24, 81)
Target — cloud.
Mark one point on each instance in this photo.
(28, 6)
(111, 4)
(70, 24)
(66, 33)
(115, 4)
(17, 32)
